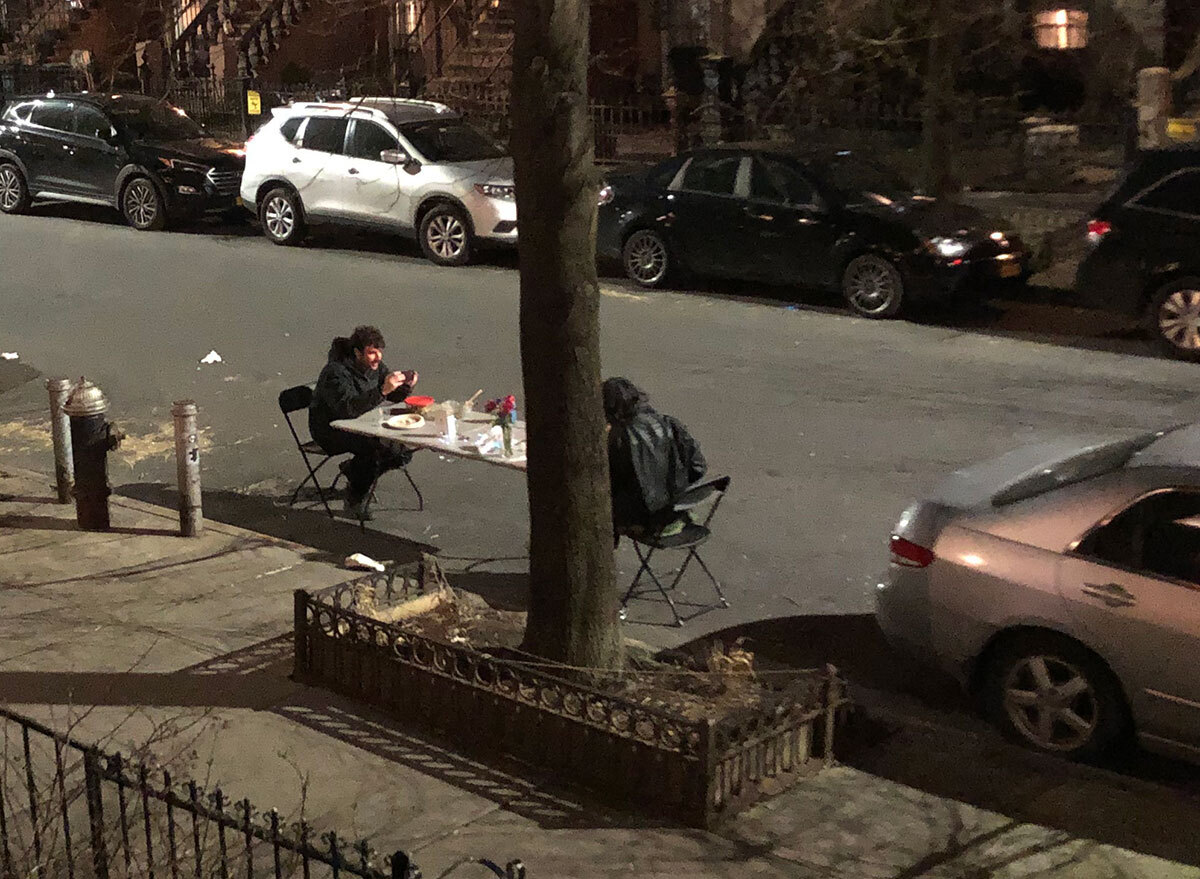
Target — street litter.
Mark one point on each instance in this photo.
(211, 357)
(358, 560)
(10, 355)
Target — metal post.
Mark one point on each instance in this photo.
(95, 803)
(60, 429)
(187, 466)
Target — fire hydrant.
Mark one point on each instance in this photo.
(92, 437)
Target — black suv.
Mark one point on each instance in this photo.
(1145, 257)
(140, 155)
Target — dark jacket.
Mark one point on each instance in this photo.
(345, 391)
(652, 460)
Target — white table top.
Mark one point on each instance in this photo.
(428, 436)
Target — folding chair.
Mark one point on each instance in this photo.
(709, 491)
(293, 400)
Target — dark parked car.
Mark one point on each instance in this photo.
(140, 155)
(836, 221)
(1145, 257)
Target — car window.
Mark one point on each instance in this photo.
(52, 114)
(712, 174)
(326, 134)
(451, 140)
(1158, 535)
(90, 122)
(291, 128)
(775, 181)
(368, 140)
(19, 112)
(661, 175)
(1178, 193)
(148, 119)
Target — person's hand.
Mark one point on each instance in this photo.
(410, 376)
(392, 381)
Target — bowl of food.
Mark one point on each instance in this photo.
(418, 404)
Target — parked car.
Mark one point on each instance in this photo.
(1145, 250)
(414, 167)
(834, 221)
(1061, 583)
(140, 155)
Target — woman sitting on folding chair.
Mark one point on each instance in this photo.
(652, 459)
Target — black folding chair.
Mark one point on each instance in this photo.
(691, 537)
(293, 400)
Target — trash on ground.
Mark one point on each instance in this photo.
(211, 357)
(9, 355)
(358, 560)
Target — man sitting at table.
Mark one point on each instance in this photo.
(355, 381)
(652, 459)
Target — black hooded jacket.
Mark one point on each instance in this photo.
(344, 390)
(652, 459)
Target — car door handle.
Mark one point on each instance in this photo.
(295, 160)
(1112, 594)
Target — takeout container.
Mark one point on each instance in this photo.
(418, 404)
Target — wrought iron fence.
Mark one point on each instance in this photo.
(69, 809)
(218, 104)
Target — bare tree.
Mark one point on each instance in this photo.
(573, 607)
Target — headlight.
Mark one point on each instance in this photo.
(501, 191)
(949, 248)
(188, 167)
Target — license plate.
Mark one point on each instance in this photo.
(1010, 269)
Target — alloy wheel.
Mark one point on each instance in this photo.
(1179, 319)
(1051, 702)
(871, 286)
(10, 189)
(280, 218)
(141, 203)
(446, 236)
(646, 259)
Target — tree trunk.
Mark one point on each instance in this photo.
(572, 602)
(937, 102)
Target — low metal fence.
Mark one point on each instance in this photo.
(69, 809)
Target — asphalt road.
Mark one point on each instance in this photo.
(828, 424)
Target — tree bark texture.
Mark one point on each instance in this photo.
(938, 102)
(573, 602)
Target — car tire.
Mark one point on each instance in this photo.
(446, 237)
(282, 217)
(14, 193)
(1051, 694)
(143, 206)
(873, 287)
(1174, 318)
(646, 258)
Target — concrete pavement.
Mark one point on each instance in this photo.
(139, 635)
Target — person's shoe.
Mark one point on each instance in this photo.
(357, 507)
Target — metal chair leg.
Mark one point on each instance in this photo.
(420, 497)
(664, 591)
(716, 583)
(637, 578)
(312, 477)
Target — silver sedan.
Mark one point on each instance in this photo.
(1061, 583)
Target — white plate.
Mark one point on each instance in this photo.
(407, 421)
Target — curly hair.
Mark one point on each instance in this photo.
(622, 400)
(366, 337)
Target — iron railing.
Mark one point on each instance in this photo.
(69, 809)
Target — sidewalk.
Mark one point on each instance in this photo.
(185, 643)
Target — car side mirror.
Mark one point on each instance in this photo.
(395, 157)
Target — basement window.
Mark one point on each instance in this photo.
(1061, 29)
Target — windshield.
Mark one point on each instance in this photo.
(157, 120)
(451, 140)
(856, 178)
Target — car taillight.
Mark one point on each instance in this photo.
(905, 552)
(1097, 229)
(606, 195)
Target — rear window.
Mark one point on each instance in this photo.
(290, 128)
(1177, 193)
(18, 112)
(326, 134)
(1077, 468)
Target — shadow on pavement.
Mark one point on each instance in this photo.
(917, 728)
(333, 539)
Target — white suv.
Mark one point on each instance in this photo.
(412, 166)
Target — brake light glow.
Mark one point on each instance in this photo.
(606, 195)
(1097, 229)
(909, 554)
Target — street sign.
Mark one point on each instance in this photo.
(253, 103)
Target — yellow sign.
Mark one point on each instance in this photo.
(253, 103)
(1183, 129)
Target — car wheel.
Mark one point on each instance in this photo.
(646, 258)
(14, 194)
(142, 205)
(872, 286)
(1175, 318)
(446, 236)
(282, 217)
(1050, 694)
